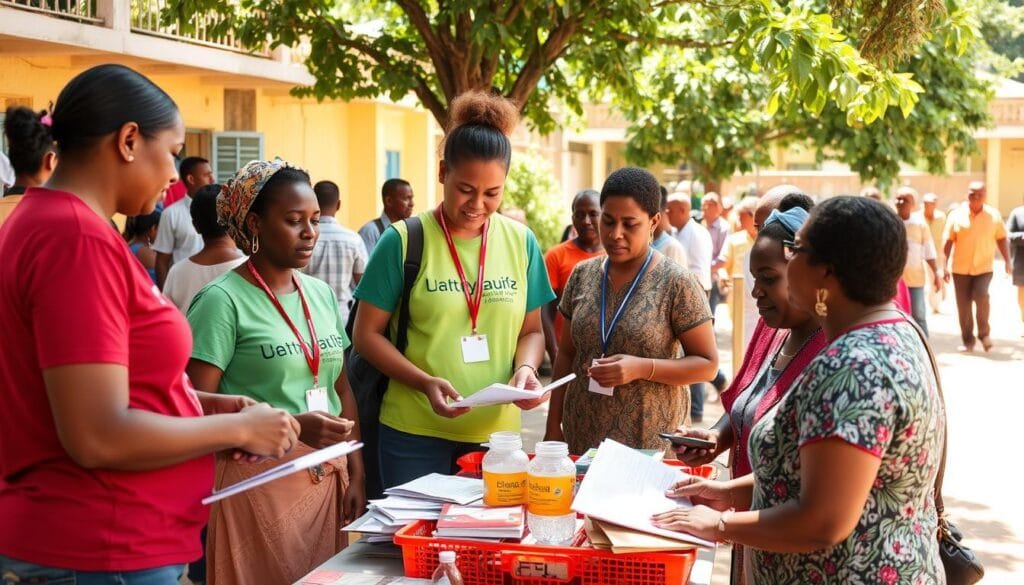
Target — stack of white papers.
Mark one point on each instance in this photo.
(625, 487)
(505, 394)
(297, 464)
(420, 499)
(441, 488)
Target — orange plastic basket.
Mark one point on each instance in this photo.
(486, 563)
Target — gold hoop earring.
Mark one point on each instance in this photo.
(820, 307)
(255, 244)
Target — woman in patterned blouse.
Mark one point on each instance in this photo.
(844, 466)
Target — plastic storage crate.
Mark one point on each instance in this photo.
(470, 464)
(487, 563)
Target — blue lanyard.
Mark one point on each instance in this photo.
(606, 332)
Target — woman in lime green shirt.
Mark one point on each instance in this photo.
(474, 307)
(267, 331)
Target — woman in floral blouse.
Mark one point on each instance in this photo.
(844, 466)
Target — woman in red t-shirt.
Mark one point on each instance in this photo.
(104, 449)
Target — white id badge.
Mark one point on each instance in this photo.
(316, 399)
(474, 349)
(597, 388)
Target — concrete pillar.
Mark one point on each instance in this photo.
(993, 167)
(116, 14)
(598, 164)
(366, 164)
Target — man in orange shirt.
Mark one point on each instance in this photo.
(562, 258)
(973, 232)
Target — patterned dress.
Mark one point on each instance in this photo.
(667, 302)
(873, 388)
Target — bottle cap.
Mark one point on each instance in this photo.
(506, 440)
(446, 556)
(557, 448)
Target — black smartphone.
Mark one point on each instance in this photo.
(693, 442)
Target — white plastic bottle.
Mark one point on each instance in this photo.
(447, 573)
(551, 479)
(504, 470)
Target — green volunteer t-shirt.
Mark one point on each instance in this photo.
(236, 327)
(515, 283)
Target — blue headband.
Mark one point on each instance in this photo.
(791, 219)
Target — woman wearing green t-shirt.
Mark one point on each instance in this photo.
(474, 307)
(267, 331)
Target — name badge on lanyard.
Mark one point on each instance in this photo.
(474, 346)
(316, 397)
(606, 332)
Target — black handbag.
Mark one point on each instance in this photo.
(961, 564)
(367, 382)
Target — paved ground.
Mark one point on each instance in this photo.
(985, 406)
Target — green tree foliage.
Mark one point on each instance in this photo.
(1002, 25)
(531, 187)
(720, 112)
(544, 53)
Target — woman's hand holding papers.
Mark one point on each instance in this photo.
(439, 391)
(710, 498)
(617, 370)
(525, 378)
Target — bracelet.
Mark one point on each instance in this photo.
(651, 376)
(526, 366)
(722, 520)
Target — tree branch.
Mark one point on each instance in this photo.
(670, 41)
(422, 89)
(538, 61)
(419, 19)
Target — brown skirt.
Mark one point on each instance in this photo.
(280, 531)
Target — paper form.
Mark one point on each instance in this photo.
(505, 394)
(297, 464)
(626, 487)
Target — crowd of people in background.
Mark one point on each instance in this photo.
(207, 343)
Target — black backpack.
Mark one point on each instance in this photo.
(368, 383)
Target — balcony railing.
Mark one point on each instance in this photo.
(146, 19)
(80, 10)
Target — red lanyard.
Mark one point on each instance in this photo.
(474, 300)
(312, 356)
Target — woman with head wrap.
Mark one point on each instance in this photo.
(785, 340)
(269, 332)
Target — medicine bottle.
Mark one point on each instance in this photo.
(447, 573)
(551, 479)
(504, 468)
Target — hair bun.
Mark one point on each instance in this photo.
(485, 109)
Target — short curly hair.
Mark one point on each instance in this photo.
(637, 184)
(863, 241)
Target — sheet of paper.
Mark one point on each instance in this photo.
(438, 487)
(505, 394)
(373, 522)
(628, 540)
(626, 487)
(402, 503)
(297, 464)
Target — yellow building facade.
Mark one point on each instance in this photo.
(235, 105)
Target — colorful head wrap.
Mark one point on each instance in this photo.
(791, 219)
(238, 194)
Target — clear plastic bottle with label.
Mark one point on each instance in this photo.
(551, 479)
(504, 469)
(447, 573)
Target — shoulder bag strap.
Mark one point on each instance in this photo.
(413, 258)
(939, 506)
(380, 225)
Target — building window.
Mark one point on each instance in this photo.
(393, 161)
(231, 150)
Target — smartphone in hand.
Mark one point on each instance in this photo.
(692, 442)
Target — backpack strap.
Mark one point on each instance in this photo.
(380, 225)
(413, 259)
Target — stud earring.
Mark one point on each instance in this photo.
(820, 307)
(131, 158)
